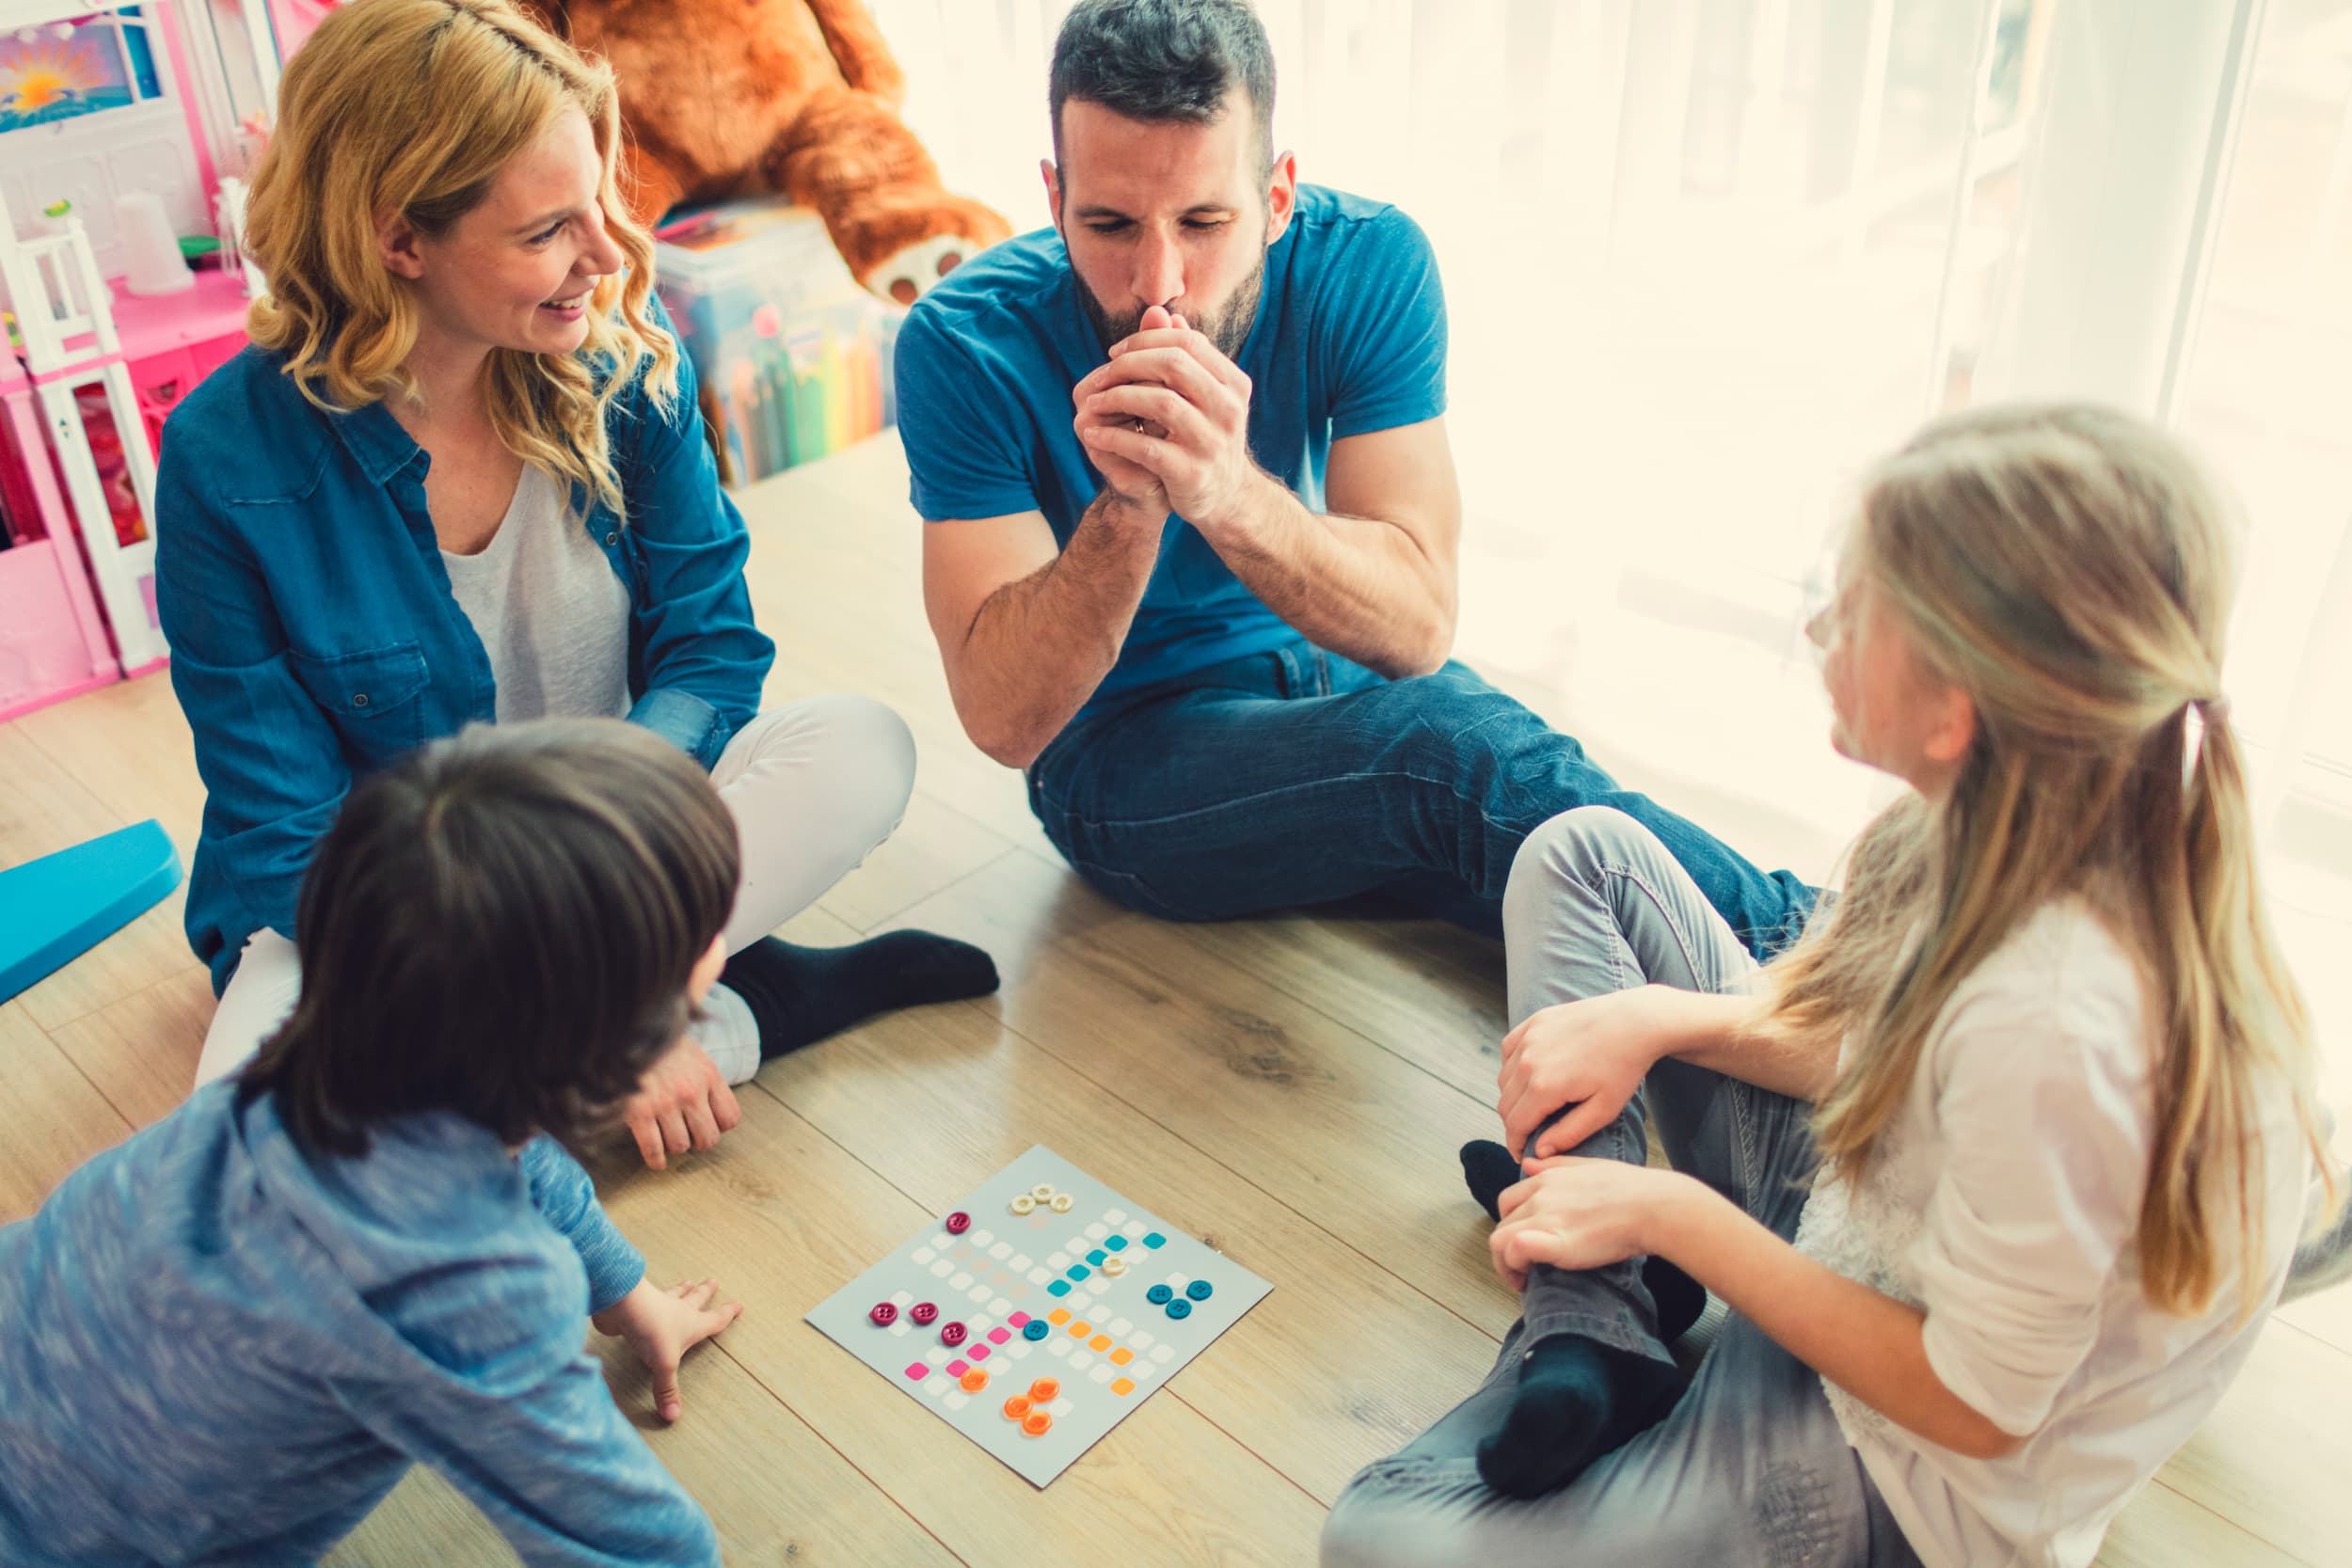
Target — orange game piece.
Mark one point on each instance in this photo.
(1045, 1390)
(1016, 1407)
(1120, 1357)
(975, 1380)
(1100, 1341)
(1122, 1387)
(1037, 1423)
(1080, 1330)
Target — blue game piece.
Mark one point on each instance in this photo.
(1079, 1271)
(54, 909)
(1157, 1295)
(1155, 1239)
(1116, 1243)
(1095, 1258)
(1199, 1289)
(1180, 1307)
(1059, 1288)
(1035, 1329)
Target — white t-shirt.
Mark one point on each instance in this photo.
(2004, 1201)
(551, 612)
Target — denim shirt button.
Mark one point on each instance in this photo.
(613, 537)
(359, 698)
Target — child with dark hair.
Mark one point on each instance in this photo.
(227, 1339)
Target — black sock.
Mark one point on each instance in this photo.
(1488, 1166)
(1578, 1400)
(800, 995)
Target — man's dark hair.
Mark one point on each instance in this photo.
(1163, 60)
(501, 924)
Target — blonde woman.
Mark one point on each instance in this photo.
(459, 476)
(2043, 1051)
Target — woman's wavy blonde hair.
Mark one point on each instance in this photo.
(2072, 569)
(413, 108)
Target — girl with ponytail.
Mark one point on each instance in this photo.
(1999, 1170)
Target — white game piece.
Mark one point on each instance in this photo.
(942, 1269)
(1081, 1358)
(981, 1238)
(1038, 1276)
(1142, 1339)
(956, 1401)
(1119, 1328)
(1100, 1374)
(1059, 1261)
(899, 1298)
(1163, 1354)
(924, 1255)
(1001, 1251)
(1002, 1307)
(1058, 1347)
(939, 1355)
(1019, 1264)
(1097, 1231)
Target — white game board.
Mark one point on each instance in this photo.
(1086, 1272)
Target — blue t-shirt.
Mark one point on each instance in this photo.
(1350, 337)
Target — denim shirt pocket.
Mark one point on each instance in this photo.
(370, 697)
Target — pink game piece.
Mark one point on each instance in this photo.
(957, 1223)
(917, 1371)
(998, 1335)
(977, 1352)
(1019, 1319)
(924, 1312)
(952, 1334)
(955, 1369)
(883, 1314)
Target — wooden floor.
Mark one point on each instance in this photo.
(1290, 1089)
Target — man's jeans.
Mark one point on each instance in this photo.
(1295, 777)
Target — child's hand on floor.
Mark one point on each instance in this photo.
(683, 1103)
(1576, 1213)
(661, 1326)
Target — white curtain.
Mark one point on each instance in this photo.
(1706, 258)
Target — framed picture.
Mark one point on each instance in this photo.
(73, 67)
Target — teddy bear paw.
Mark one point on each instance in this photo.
(909, 275)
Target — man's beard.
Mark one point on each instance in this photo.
(1228, 327)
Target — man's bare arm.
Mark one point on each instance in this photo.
(1028, 632)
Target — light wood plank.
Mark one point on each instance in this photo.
(1308, 1381)
(2273, 1455)
(2160, 1529)
(1291, 1101)
(773, 1489)
(129, 746)
(936, 846)
(783, 1216)
(140, 1052)
(57, 1120)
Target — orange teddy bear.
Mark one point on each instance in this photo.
(726, 98)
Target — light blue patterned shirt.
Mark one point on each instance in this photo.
(215, 1348)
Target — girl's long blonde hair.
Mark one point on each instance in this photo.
(2070, 569)
(413, 106)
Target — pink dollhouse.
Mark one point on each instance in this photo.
(148, 110)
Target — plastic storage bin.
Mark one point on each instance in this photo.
(793, 356)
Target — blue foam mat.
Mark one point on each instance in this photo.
(59, 906)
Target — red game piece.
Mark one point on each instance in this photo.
(883, 1314)
(923, 1312)
(957, 1223)
(952, 1334)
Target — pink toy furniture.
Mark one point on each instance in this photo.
(95, 370)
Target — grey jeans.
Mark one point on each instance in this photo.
(1750, 1469)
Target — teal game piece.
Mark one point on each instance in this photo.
(54, 909)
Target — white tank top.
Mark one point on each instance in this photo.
(551, 612)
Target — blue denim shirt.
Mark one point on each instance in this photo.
(217, 1347)
(314, 637)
